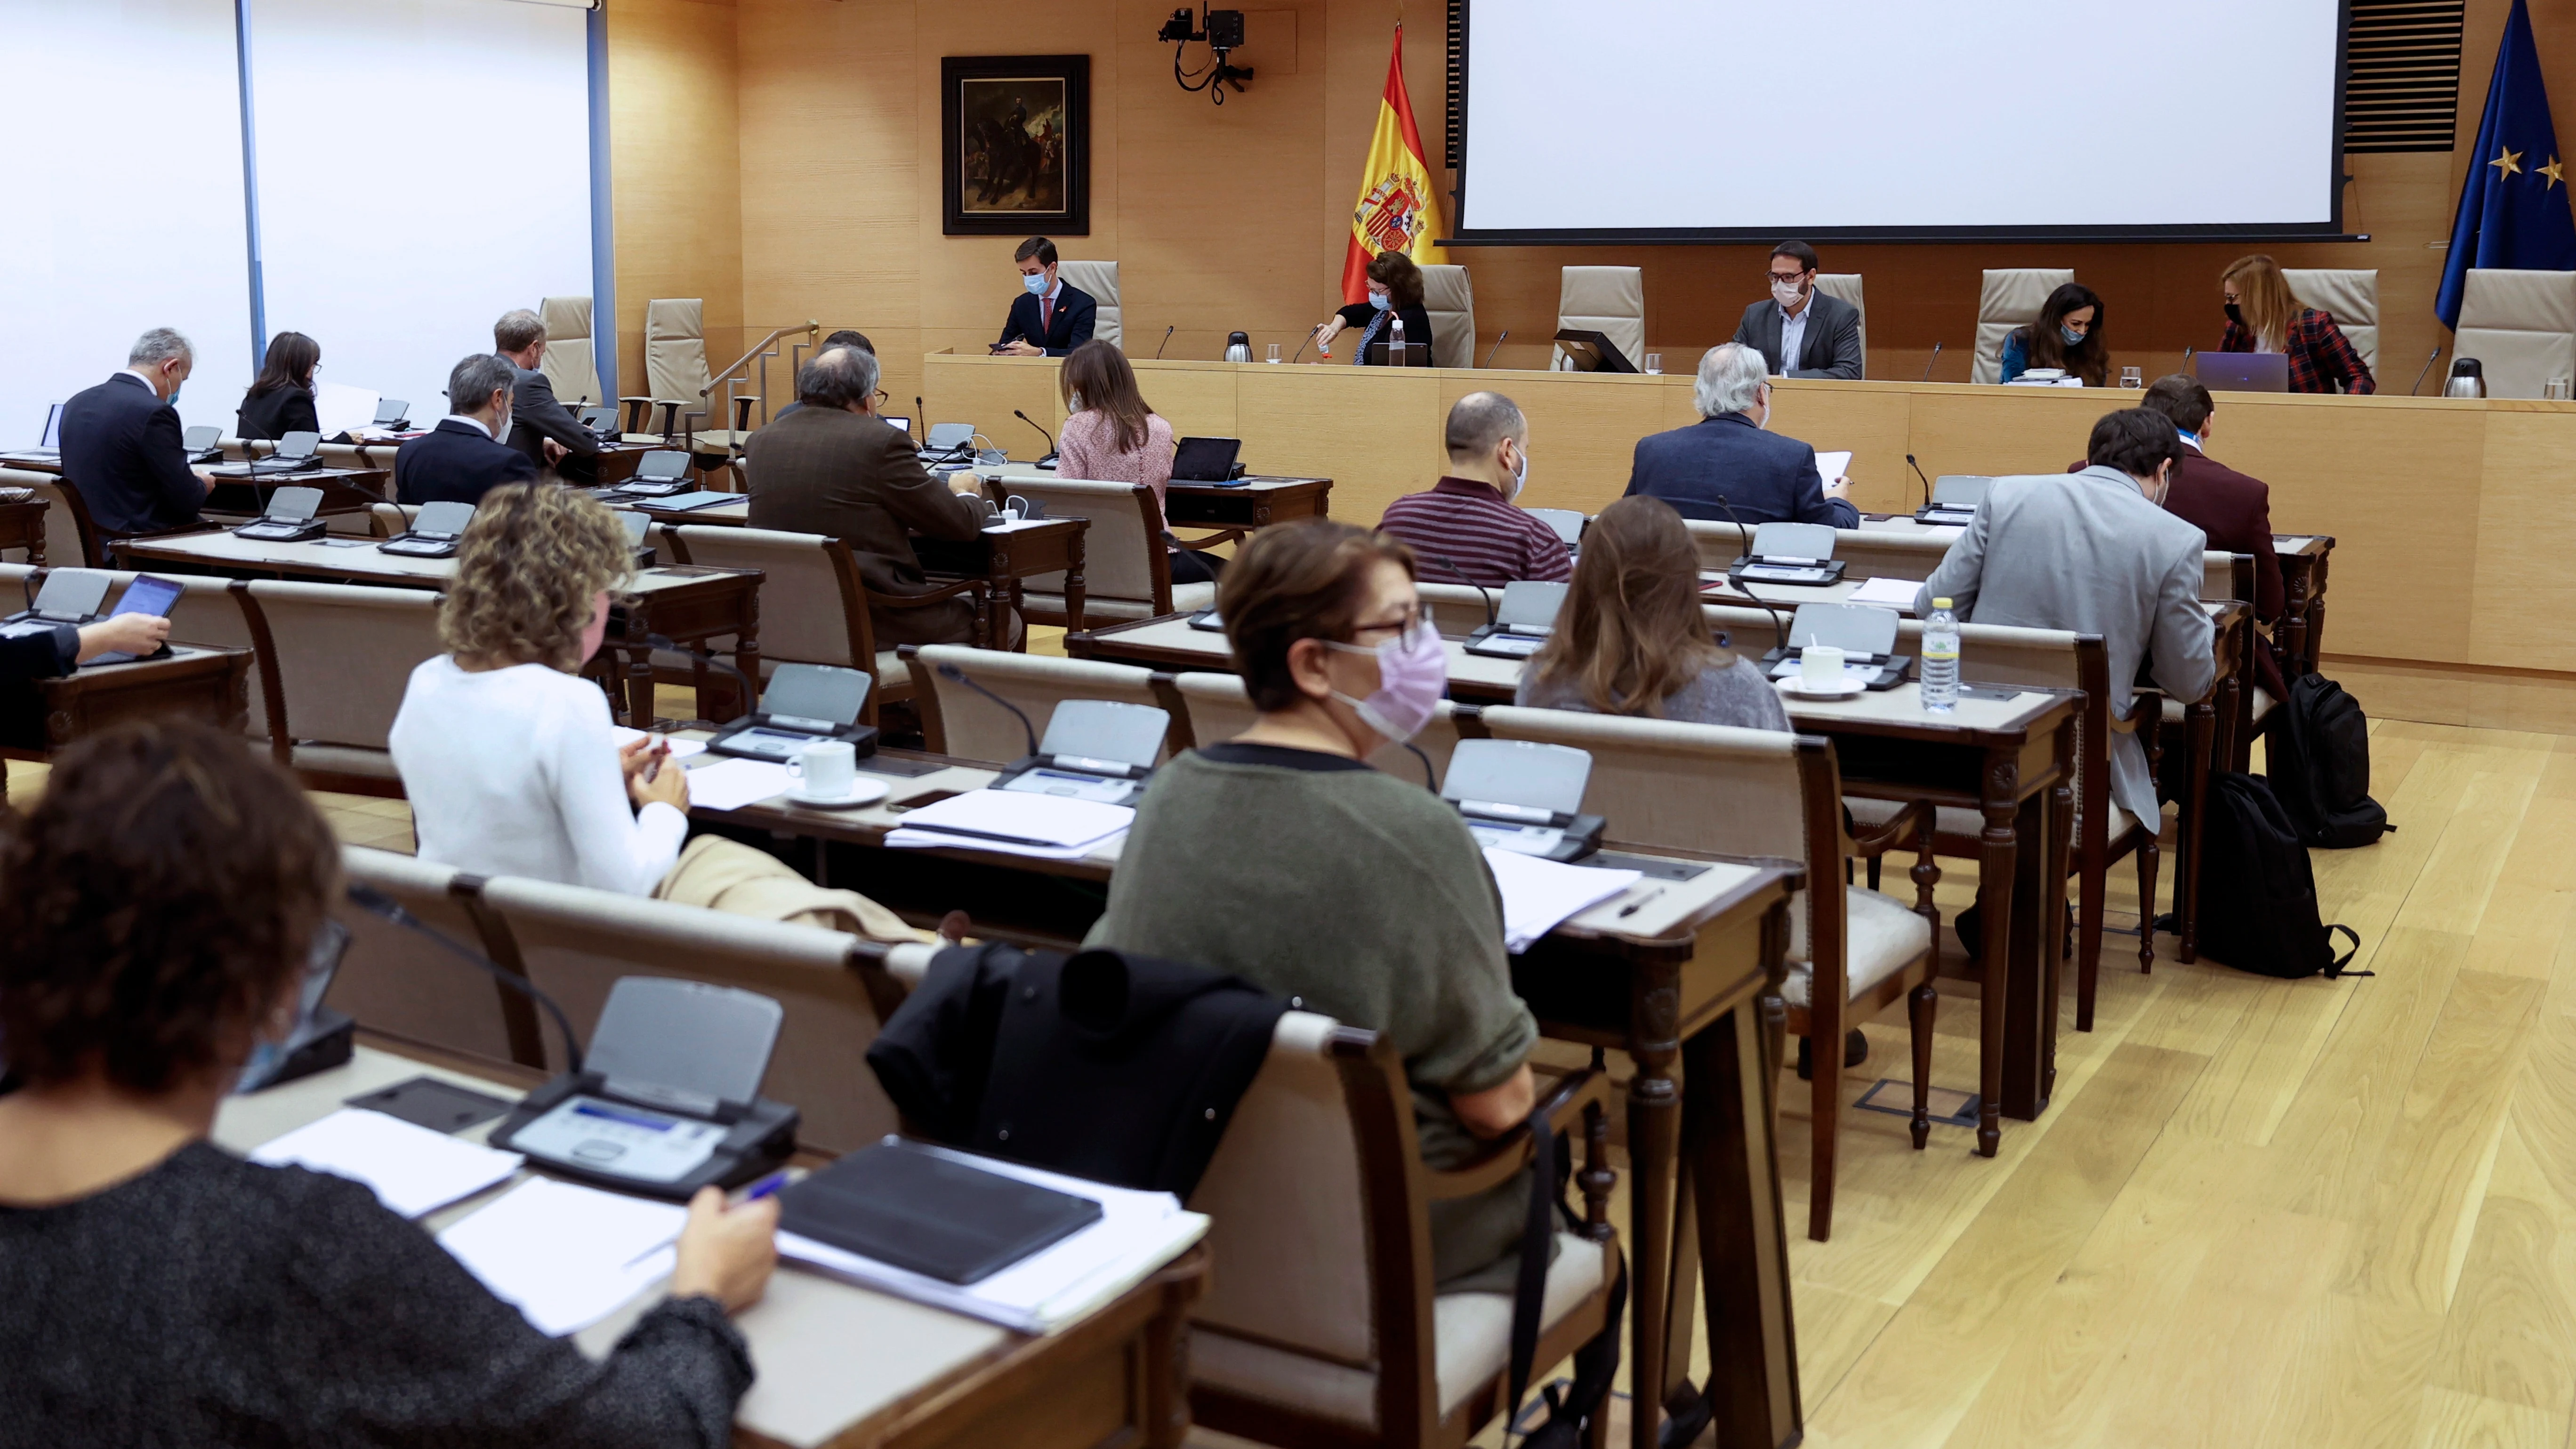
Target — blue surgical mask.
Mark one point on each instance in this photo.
(1379, 300)
(2073, 337)
(1036, 283)
(173, 398)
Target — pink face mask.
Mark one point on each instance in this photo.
(1412, 675)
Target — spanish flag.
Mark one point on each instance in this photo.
(1399, 208)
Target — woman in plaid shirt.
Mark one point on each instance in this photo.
(2264, 316)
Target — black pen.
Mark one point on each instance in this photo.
(1632, 907)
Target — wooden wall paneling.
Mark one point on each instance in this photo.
(1874, 423)
(1584, 429)
(1199, 398)
(982, 390)
(2524, 587)
(1374, 432)
(675, 168)
(1964, 429)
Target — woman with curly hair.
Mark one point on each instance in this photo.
(506, 752)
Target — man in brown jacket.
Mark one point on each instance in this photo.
(834, 467)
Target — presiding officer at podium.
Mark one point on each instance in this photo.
(1394, 293)
(464, 457)
(1727, 467)
(1801, 332)
(123, 449)
(1055, 317)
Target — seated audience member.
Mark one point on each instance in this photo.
(540, 426)
(846, 337)
(1054, 317)
(2233, 511)
(1339, 657)
(2067, 336)
(2264, 315)
(1633, 639)
(51, 654)
(1394, 291)
(462, 458)
(1800, 331)
(506, 751)
(1726, 467)
(163, 895)
(280, 400)
(123, 448)
(833, 467)
(2095, 552)
(1467, 529)
(1111, 435)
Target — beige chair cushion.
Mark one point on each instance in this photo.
(2351, 297)
(1472, 1333)
(1451, 300)
(2521, 326)
(1845, 287)
(1118, 547)
(397, 980)
(344, 657)
(1607, 300)
(1100, 279)
(675, 349)
(1883, 934)
(2010, 298)
(568, 362)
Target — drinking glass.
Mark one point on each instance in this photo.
(1274, 353)
(2131, 377)
(2555, 390)
(1654, 364)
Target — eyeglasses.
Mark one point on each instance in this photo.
(1784, 276)
(883, 396)
(1403, 626)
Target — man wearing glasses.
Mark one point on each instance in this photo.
(1800, 331)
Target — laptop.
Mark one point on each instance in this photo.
(1522, 621)
(1207, 460)
(2242, 371)
(50, 443)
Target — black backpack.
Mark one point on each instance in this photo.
(2258, 903)
(2319, 763)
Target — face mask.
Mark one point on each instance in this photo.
(1520, 477)
(1076, 404)
(1379, 300)
(1035, 282)
(2072, 337)
(2235, 314)
(1785, 293)
(1411, 677)
(501, 428)
(173, 398)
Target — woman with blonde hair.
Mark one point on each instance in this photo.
(507, 754)
(1631, 638)
(2264, 315)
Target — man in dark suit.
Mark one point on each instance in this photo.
(540, 426)
(460, 460)
(2233, 510)
(122, 442)
(1054, 317)
(1800, 331)
(1726, 468)
(831, 467)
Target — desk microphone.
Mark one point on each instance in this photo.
(1918, 472)
(1309, 342)
(2187, 352)
(1166, 342)
(376, 902)
(951, 671)
(2428, 367)
(1778, 623)
(1451, 565)
(1497, 347)
(1042, 432)
(1927, 365)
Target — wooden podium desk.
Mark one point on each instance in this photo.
(41, 716)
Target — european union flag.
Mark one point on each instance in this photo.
(2513, 211)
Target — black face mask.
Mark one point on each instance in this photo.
(2235, 314)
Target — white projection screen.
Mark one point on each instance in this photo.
(424, 166)
(1722, 120)
(128, 172)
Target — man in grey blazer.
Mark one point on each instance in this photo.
(2094, 552)
(541, 426)
(1800, 331)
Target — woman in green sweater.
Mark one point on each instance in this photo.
(1281, 857)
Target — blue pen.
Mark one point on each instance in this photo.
(766, 1186)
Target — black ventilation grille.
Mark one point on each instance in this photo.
(2403, 93)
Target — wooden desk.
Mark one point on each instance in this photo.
(1261, 501)
(1006, 556)
(344, 490)
(22, 525)
(841, 1365)
(1675, 983)
(194, 682)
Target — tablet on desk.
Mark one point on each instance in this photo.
(146, 595)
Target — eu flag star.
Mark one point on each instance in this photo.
(2551, 171)
(2510, 163)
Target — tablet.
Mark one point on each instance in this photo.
(146, 595)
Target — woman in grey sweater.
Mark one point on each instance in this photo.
(1632, 639)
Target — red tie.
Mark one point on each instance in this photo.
(1046, 313)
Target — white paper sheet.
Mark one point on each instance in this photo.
(1538, 894)
(1885, 592)
(732, 784)
(564, 1255)
(1004, 818)
(680, 749)
(411, 1169)
(907, 838)
(339, 408)
(1830, 466)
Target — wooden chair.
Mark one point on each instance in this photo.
(334, 661)
(1219, 709)
(62, 533)
(1126, 565)
(1325, 1329)
(1713, 790)
(958, 720)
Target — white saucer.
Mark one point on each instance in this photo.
(863, 792)
(1839, 689)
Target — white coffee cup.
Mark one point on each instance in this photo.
(826, 769)
(1820, 666)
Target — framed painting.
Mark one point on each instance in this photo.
(1016, 144)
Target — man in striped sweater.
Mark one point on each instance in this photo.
(1466, 529)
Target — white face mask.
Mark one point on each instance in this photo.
(1520, 475)
(1076, 404)
(1036, 282)
(1786, 293)
(501, 427)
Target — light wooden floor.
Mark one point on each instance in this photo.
(2259, 1212)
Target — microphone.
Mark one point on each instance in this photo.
(951, 671)
(1309, 342)
(1918, 472)
(1042, 432)
(2187, 352)
(699, 652)
(1927, 367)
(1166, 342)
(1446, 562)
(376, 902)
(1778, 623)
(2428, 367)
(1497, 347)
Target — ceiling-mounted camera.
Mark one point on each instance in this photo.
(1222, 32)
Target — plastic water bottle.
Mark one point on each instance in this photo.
(1941, 658)
(1395, 342)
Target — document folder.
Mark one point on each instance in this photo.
(930, 1214)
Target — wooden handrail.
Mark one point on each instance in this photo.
(810, 329)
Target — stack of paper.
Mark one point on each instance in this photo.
(732, 784)
(1049, 827)
(1138, 1232)
(567, 1256)
(1538, 894)
(411, 1169)
(1887, 593)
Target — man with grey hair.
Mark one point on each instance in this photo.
(463, 458)
(835, 468)
(122, 442)
(1725, 467)
(540, 426)
(1468, 529)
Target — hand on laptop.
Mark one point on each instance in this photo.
(136, 634)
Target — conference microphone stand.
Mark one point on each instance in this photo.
(951, 671)
(2428, 367)
(1918, 472)
(1166, 342)
(1497, 347)
(1049, 459)
(1927, 362)
(376, 902)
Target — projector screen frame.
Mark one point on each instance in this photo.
(2329, 230)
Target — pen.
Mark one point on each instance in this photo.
(1632, 907)
(765, 1187)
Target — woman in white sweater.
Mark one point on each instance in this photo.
(506, 752)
